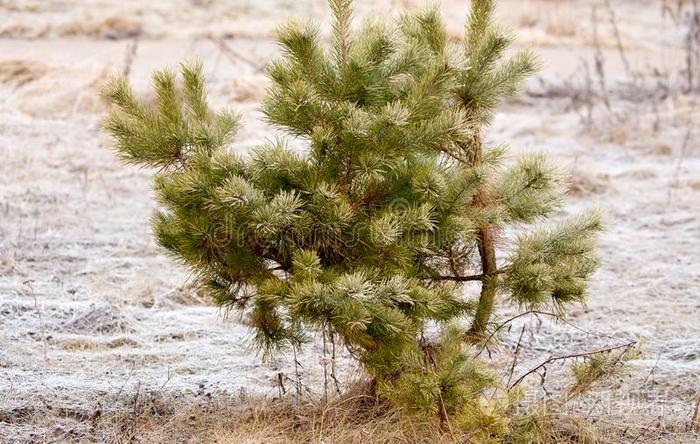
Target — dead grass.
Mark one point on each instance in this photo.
(355, 417)
(20, 72)
(18, 30)
(111, 28)
(81, 342)
(581, 185)
(556, 20)
(246, 90)
(98, 319)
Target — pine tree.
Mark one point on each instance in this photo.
(370, 235)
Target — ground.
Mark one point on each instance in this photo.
(92, 311)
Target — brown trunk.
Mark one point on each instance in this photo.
(487, 253)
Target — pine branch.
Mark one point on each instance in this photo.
(342, 19)
(480, 18)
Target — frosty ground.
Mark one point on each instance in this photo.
(91, 311)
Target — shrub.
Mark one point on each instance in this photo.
(371, 233)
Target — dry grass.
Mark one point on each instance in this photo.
(555, 19)
(17, 73)
(581, 184)
(81, 342)
(111, 28)
(352, 418)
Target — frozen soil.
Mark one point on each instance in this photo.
(91, 311)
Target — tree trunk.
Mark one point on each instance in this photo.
(487, 253)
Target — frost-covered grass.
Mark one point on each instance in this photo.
(92, 313)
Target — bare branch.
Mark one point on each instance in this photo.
(625, 346)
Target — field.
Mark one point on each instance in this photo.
(95, 318)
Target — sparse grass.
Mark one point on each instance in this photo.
(82, 342)
(556, 20)
(586, 183)
(20, 72)
(355, 417)
(111, 28)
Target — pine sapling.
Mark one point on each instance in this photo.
(371, 234)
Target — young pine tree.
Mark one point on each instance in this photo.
(371, 233)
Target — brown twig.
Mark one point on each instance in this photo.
(692, 46)
(681, 157)
(644, 430)
(333, 360)
(469, 278)
(599, 60)
(280, 384)
(516, 354)
(168, 377)
(570, 356)
(618, 40)
(42, 327)
(695, 420)
(508, 321)
(234, 55)
(475, 277)
(324, 362)
(444, 417)
(130, 56)
(298, 383)
(136, 396)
